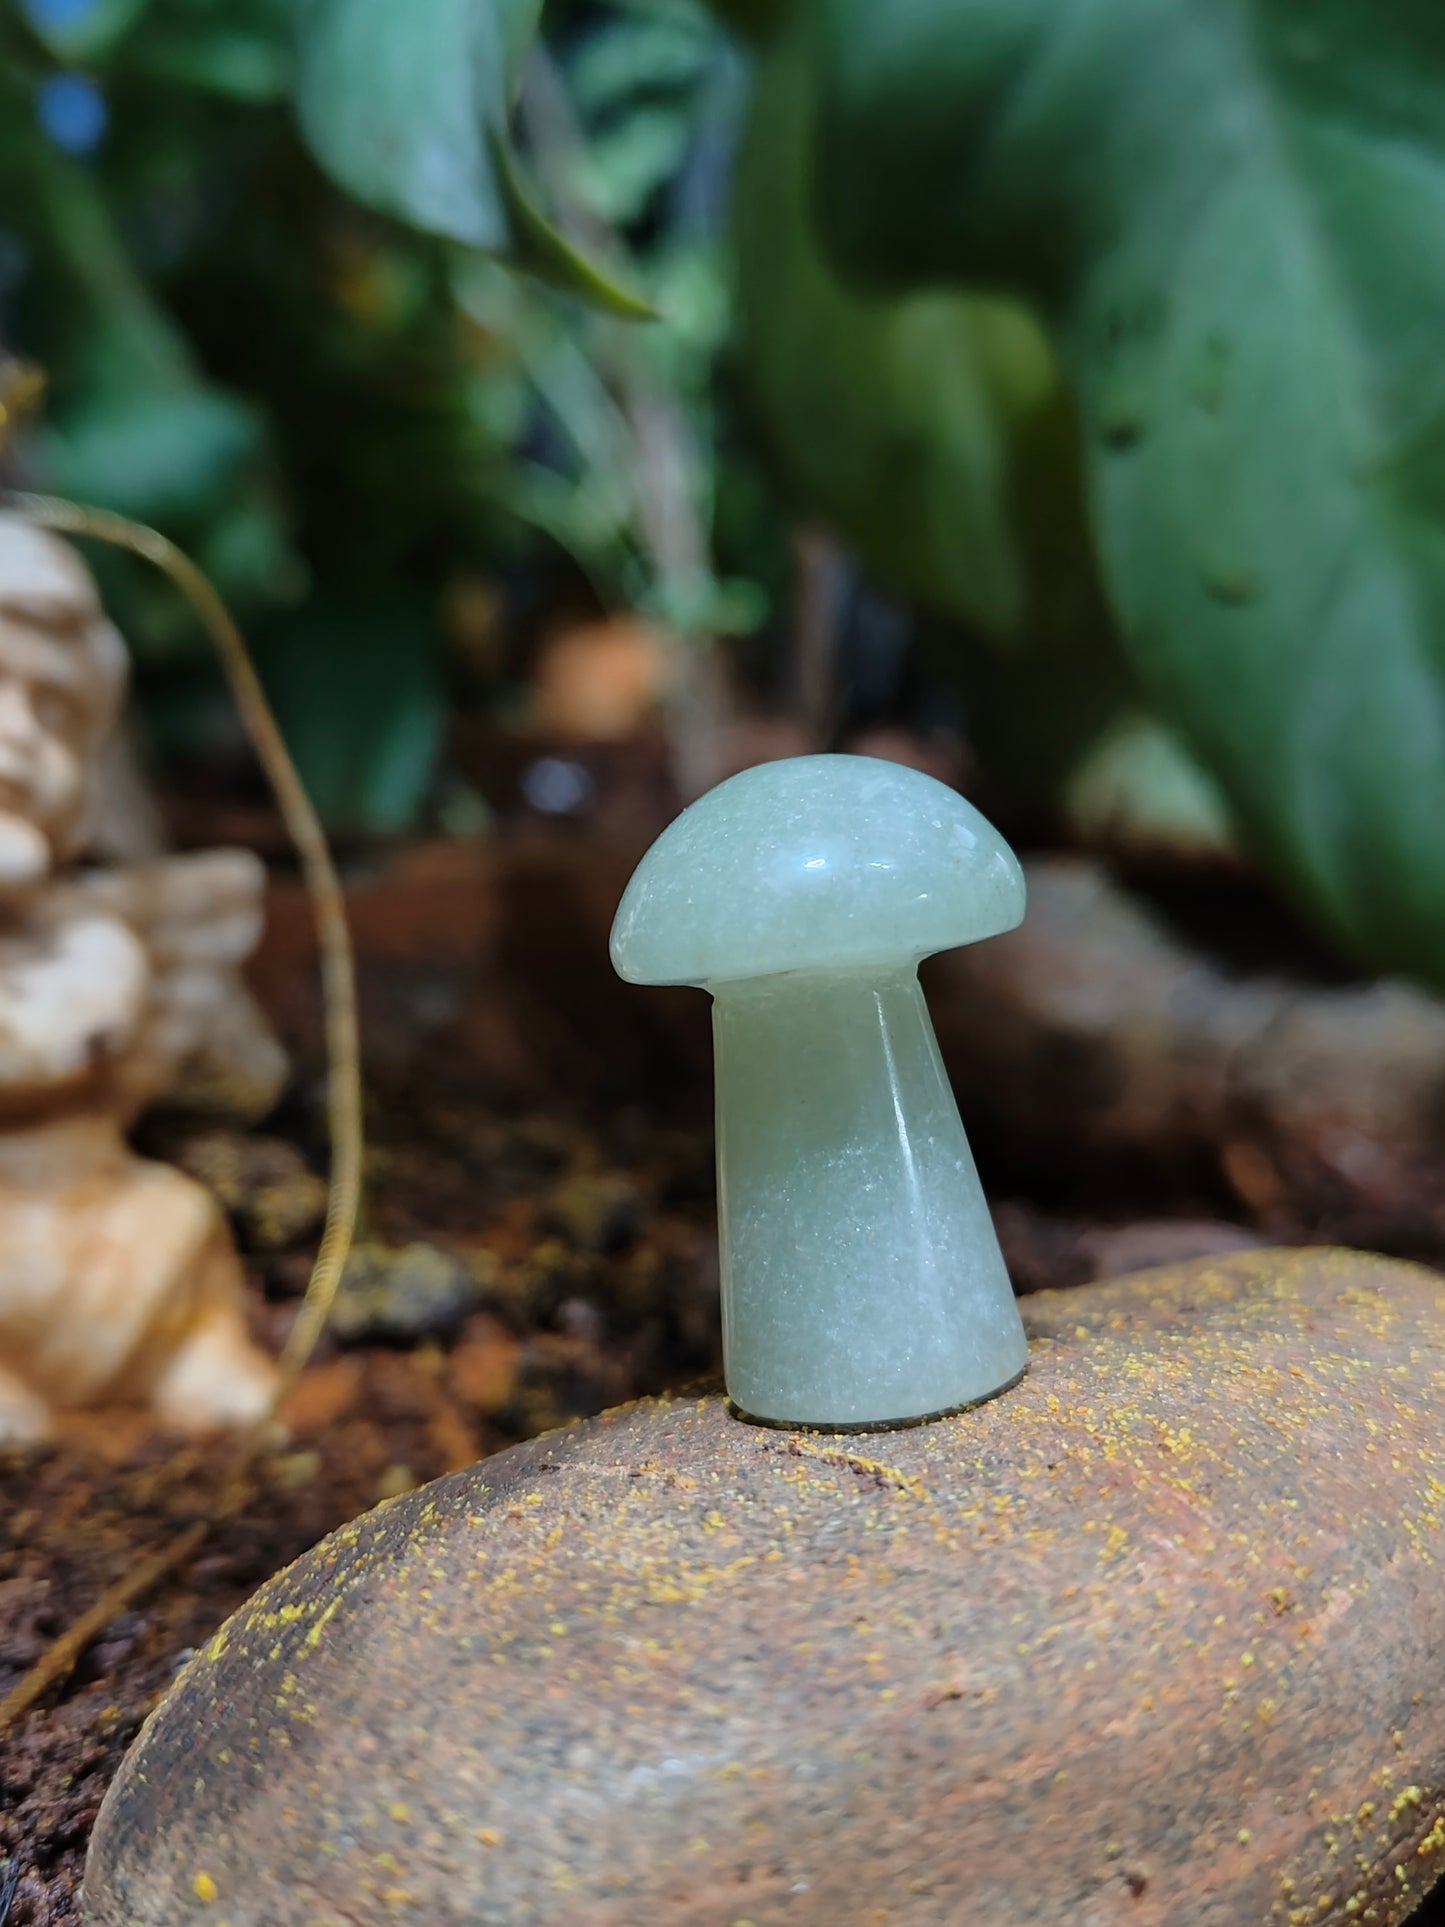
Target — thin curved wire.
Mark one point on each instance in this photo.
(338, 967)
(343, 1049)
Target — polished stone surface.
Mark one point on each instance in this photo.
(1152, 1640)
(862, 1282)
(815, 862)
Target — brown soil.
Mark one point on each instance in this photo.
(594, 1281)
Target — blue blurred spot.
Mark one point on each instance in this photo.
(55, 16)
(557, 786)
(73, 112)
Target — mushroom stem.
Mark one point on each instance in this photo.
(862, 1283)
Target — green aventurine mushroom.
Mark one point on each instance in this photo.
(862, 1283)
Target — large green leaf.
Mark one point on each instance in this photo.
(405, 104)
(896, 419)
(934, 433)
(1231, 211)
(398, 103)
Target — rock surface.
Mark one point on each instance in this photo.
(1154, 1639)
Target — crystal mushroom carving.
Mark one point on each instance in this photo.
(862, 1283)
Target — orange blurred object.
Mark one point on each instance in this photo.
(601, 682)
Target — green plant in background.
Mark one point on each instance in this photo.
(135, 423)
(1229, 219)
(409, 109)
(933, 432)
(347, 411)
(1112, 334)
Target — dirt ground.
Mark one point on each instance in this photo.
(521, 1269)
(530, 1257)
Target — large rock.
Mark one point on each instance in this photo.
(1155, 1638)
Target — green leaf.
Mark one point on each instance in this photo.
(236, 63)
(546, 253)
(359, 696)
(933, 433)
(405, 106)
(753, 19)
(155, 456)
(1231, 214)
(893, 418)
(134, 425)
(520, 20)
(84, 34)
(1138, 793)
(632, 160)
(639, 56)
(398, 102)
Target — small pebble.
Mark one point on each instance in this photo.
(401, 1296)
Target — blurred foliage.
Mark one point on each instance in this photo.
(338, 411)
(934, 433)
(1230, 220)
(409, 109)
(1110, 337)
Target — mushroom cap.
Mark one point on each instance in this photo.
(814, 863)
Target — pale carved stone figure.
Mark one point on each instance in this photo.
(118, 1277)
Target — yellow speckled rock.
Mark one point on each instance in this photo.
(1155, 1639)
